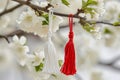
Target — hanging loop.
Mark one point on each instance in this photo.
(50, 23)
(71, 26)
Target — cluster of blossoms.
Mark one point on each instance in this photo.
(30, 22)
(112, 10)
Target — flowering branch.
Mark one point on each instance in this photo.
(55, 13)
(20, 32)
(63, 15)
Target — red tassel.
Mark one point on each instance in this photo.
(69, 66)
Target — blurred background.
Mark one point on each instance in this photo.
(98, 54)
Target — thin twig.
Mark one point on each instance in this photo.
(18, 33)
(6, 5)
(101, 22)
(110, 66)
(6, 38)
(112, 63)
(10, 10)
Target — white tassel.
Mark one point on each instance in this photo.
(51, 62)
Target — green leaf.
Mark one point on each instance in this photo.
(119, 16)
(46, 16)
(60, 62)
(88, 3)
(107, 31)
(88, 27)
(44, 23)
(54, 75)
(92, 14)
(83, 4)
(39, 67)
(65, 2)
(116, 23)
(86, 7)
(91, 11)
(92, 2)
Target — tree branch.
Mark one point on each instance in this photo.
(62, 14)
(43, 9)
(55, 13)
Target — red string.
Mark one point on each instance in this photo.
(71, 22)
(71, 26)
(69, 66)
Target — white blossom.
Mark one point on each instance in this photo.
(41, 3)
(34, 60)
(20, 49)
(6, 57)
(30, 22)
(4, 22)
(72, 8)
(97, 32)
(44, 3)
(99, 10)
(111, 10)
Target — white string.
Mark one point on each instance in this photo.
(50, 23)
(51, 62)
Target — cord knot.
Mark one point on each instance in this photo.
(71, 35)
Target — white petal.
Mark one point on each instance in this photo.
(26, 49)
(4, 21)
(15, 38)
(23, 40)
(22, 62)
(44, 4)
